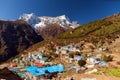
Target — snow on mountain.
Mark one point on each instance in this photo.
(31, 19)
(39, 22)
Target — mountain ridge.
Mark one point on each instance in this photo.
(49, 27)
(43, 21)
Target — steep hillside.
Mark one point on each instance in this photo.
(15, 36)
(105, 28)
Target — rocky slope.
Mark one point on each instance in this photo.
(15, 36)
(51, 31)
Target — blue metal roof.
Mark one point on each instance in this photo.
(41, 71)
(79, 57)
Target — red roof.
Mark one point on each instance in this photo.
(38, 64)
(13, 65)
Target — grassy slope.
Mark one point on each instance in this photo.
(109, 71)
(103, 27)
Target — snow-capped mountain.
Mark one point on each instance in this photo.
(31, 19)
(49, 27)
(43, 21)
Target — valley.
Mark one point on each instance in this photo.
(88, 52)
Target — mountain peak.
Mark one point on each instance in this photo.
(29, 18)
(43, 21)
(62, 17)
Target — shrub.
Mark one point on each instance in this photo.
(81, 62)
(106, 58)
(71, 55)
(53, 55)
(78, 53)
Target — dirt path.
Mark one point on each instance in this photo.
(98, 77)
(4, 65)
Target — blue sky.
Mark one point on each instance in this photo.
(82, 11)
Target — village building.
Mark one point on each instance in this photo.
(36, 73)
